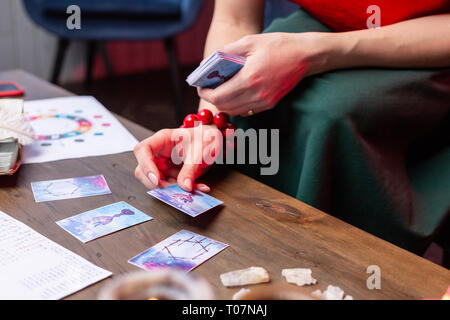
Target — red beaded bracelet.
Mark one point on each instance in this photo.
(205, 116)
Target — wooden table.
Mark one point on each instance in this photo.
(263, 227)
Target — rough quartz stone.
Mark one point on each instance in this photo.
(243, 277)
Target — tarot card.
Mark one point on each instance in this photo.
(184, 250)
(96, 223)
(69, 188)
(191, 203)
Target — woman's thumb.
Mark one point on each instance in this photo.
(240, 47)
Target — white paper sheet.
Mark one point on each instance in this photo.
(73, 127)
(34, 267)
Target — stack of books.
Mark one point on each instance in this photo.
(215, 70)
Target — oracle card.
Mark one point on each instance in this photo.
(184, 250)
(191, 203)
(96, 223)
(69, 188)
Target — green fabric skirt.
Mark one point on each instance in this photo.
(369, 146)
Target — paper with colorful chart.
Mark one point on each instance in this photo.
(73, 127)
(71, 188)
(99, 222)
(184, 250)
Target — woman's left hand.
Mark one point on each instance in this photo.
(276, 62)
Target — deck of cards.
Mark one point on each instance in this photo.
(14, 133)
(9, 153)
(215, 70)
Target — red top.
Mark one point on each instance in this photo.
(346, 15)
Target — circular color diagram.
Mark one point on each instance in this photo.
(84, 126)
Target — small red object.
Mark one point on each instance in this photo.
(228, 132)
(182, 126)
(221, 120)
(189, 120)
(205, 116)
(161, 163)
(10, 89)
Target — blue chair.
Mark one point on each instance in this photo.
(103, 20)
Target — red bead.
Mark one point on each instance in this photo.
(205, 116)
(161, 163)
(189, 120)
(228, 132)
(221, 120)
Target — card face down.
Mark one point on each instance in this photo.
(69, 188)
(184, 250)
(96, 223)
(191, 203)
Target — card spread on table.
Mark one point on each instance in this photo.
(99, 222)
(73, 127)
(215, 70)
(184, 250)
(34, 267)
(191, 203)
(69, 188)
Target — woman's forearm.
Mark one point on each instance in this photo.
(232, 20)
(220, 34)
(417, 43)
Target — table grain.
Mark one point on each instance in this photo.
(263, 226)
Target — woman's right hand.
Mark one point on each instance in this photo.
(177, 156)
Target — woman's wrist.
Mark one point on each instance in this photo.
(328, 51)
(352, 49)
(206, 105)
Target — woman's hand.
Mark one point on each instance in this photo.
(177, 156)
(276, 62)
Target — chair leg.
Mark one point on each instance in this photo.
(175, 75)
(90, 56)
(106, 61)
(63, 44)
